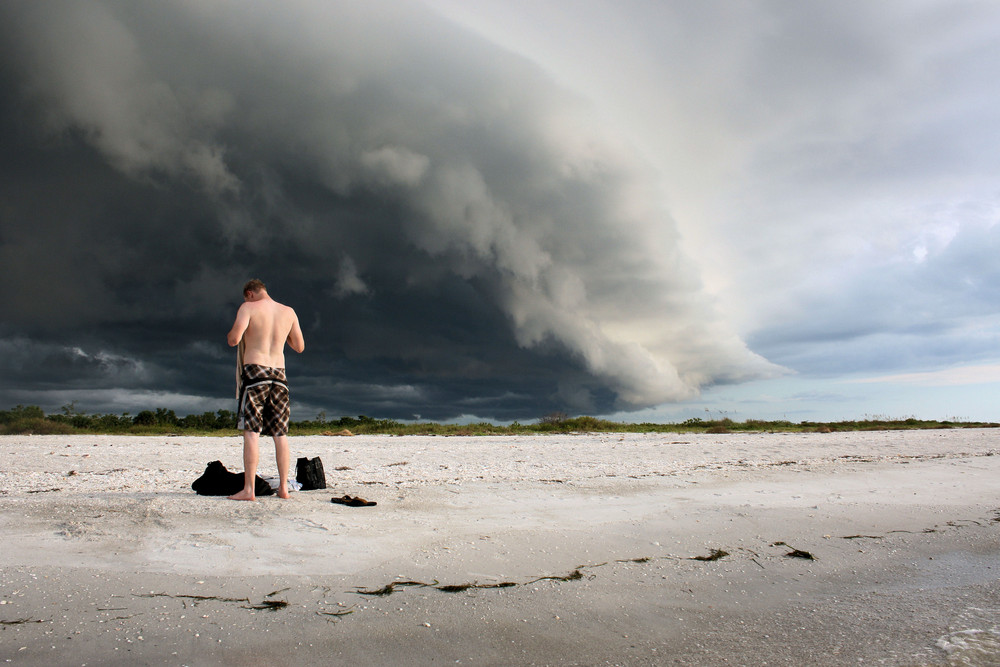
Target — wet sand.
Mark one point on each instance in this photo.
(840, 548)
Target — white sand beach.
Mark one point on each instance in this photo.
(542, 550)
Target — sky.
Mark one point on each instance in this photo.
(501, 209)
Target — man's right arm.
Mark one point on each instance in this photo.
(239, 326)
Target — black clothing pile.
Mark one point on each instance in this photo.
(217, 481)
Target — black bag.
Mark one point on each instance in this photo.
(309, 473)
(217, 481)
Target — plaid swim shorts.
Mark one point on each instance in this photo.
(264, 405)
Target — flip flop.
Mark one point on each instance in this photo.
(353, 501)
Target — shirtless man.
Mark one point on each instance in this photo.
(264, 326)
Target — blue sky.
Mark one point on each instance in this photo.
(501, 209)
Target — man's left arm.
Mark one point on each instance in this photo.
(295, 339)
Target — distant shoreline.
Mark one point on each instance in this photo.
(30, 420)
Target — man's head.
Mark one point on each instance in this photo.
(253, 288)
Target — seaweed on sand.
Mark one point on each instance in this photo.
(925, 531)
(794, 553)
(270, 605)
(196, 598)
(455, 588)
(715, 554)
(334, 615)
(390, 588)
(458, 588)
(572, 576)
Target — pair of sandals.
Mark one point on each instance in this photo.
(353, 501)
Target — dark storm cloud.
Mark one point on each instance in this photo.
(457, 236)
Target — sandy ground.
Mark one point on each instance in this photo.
(560, 550)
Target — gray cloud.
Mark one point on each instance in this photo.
(929, 308)
(457, 234)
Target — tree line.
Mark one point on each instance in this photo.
(32, 419)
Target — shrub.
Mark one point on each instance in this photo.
(144, 418)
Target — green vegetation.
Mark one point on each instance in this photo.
(31, 419)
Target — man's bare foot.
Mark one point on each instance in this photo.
(283, 493)
(243, 495)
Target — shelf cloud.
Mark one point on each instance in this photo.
(458, 233)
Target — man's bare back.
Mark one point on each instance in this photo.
(264, 326)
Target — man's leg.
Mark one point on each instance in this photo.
(283, 457)
(250, 457)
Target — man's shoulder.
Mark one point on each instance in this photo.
(250, 306)
(278, 310)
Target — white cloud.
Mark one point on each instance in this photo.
(395, 165)
(348, 280)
